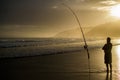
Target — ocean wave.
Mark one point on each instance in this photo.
(33, 47)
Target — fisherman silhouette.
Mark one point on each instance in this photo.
(108, 55)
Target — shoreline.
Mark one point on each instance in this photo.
(67, 66)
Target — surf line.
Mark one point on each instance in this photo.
(78, 21)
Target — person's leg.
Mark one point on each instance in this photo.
(110, 67)
(107, 67)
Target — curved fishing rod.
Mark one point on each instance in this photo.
(85, 46)
(76, 17)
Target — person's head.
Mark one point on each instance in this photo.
(108, 39)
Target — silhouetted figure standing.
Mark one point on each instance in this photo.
(108, 55)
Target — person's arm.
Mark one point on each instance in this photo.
(104, 47)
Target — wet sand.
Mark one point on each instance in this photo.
(65, 66)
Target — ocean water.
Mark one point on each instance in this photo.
(72, 64)
(22, 47)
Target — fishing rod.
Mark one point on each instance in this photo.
(85, 46)
(77, 19)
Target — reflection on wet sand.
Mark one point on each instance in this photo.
(109, 76)
(118, 54)
(118, 58)
(116, 61)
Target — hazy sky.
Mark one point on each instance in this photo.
(42, 18)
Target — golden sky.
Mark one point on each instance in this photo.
(45, 18)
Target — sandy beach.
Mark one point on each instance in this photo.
(65, 66)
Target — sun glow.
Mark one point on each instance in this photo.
(118, 51)
(118, 56)
(117, 47)
(115, 11)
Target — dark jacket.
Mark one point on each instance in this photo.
(108, 55)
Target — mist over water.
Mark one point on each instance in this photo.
(19, 47)
(40, 46)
